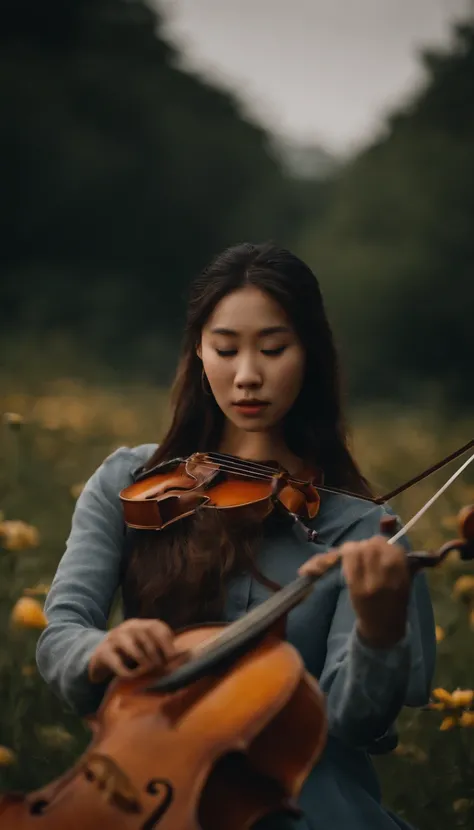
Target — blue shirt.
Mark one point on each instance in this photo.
(365, 687)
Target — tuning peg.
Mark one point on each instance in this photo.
(466, 522)
(466, 529)
(388, 525)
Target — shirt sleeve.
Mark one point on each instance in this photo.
(80, 598)
(367, 687)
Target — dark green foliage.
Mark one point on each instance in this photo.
(121, 176)
(395, 249)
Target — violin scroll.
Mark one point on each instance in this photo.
(464, 545)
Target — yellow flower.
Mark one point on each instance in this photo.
(28, 613)
(77, 489)
(440, 634)
(7, 757)
(13, 419)
(447, 724)
(462, 697)
(464, 587)
(467, 719)
(443, 696)
(17, 535)
(458, 699)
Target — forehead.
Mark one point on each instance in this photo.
(247, 309)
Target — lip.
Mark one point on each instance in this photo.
(250, 407)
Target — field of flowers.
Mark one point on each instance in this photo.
(54, 437)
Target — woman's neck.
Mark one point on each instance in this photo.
(259, 446)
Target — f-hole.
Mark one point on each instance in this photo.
(38, 807)
(158, 786)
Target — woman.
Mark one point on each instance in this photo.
(257, 379)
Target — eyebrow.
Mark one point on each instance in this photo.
(261, 333)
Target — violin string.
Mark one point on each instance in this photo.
(242, 473)
(262, 477)
(242, 468)
(231, 469)
(250, 471)
(323, 489)
(241, 461)
(252, 465)
(326, 489)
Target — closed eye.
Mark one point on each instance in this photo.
(274, 352)
(226, 352)
(267, 352)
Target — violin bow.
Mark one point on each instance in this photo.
(407, 484)
(438, 493)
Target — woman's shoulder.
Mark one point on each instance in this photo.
(134, 457)
(342, 517)
(119, 468)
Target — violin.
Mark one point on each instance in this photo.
(174, 489)
(233, 731)
(178, 488)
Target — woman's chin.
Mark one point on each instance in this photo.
(253, 424)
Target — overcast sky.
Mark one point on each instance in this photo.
(322, 71)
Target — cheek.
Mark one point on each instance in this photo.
(218, 371)
(288, 377)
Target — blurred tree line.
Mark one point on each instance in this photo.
(122, 174)
(395, 246)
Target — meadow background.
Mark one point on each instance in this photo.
(122, 174)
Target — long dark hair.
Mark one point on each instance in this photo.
(180, 574)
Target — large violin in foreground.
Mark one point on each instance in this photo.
(221, 740)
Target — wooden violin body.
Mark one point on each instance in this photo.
(222, 751)
(179, 488)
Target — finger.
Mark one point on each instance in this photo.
(385, 558)
(145, 668)
(127, 645)
(373, 565)
(115, 663)
(319, 564)
(163, 638)
(154, 653)
(354, 565)
(396, 566)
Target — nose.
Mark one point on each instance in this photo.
(248, 374)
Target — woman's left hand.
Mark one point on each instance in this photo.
(378, 578)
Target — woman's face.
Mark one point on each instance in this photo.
(253, 359)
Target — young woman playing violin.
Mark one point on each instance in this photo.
(257, 379)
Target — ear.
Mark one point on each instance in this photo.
(199, 350)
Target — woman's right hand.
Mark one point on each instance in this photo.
(131, 649)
